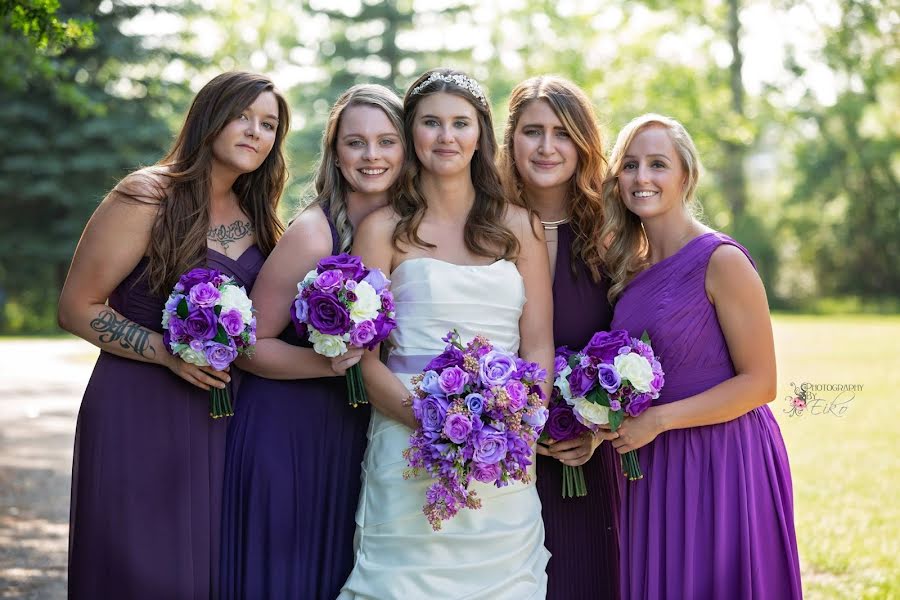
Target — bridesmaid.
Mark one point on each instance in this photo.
(295, 445)
(713, 516)
(553, 163)
(147, 471)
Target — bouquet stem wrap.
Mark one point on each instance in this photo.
(356, 388)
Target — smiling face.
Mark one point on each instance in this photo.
(545, 155)
(445, 133)
(369, 149)
(245, 141)
(652, 178)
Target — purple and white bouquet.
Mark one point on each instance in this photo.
(208, 321)
(613, 376)
(480, 410)
(339, 304)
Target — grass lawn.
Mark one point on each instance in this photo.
(845, 469)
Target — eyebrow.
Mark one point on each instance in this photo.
(541, 125)
(468, 118)
(648, 156)
(382, 134)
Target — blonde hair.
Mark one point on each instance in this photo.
(628, 249)
(585, 202)
(331, 188)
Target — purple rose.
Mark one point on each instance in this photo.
(251, 335)
(485, 473)
(363, 334)
(450, 357)
(609, 377)
(197, 345)
(496, 367)
(457, 427)
(559, 363)
(232, 321)
(537, 418)
(580, 382)
(475, 403)
(562, 424)
(176, 328)
(658, 381)
(384, 325)
(172, 303)
(204, 294)
(201, 324)
(351, 266)
(638, 404)
(377, 280)
(452, 380)
(328, 315)
(219, 356)
(606, 344)
(387, 302)
(195, 276)
(518, 395)
(329, 281)
(301, 311)
(350, 285)
(490, 446)
(614, 404)
(430, 412)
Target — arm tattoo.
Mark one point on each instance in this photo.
(129, 334)
(226, 235)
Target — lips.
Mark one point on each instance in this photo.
(643, 194)
(445, 152)
(373, 172)
(248, 147)
(545, 164)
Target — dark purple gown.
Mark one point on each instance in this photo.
(581, 533)
(147, 470)
(713, 516)
(292, 481)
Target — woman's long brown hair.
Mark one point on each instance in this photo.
(485, 233)
(178, 240)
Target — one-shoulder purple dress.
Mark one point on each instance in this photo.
(581, 533)
(147, 469)
(292, 480)
(713, 516)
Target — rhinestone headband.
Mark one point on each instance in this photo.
(462, 81)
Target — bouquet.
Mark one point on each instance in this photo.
(480, 411)
(342, 303)
(208, 321)
(613, 376)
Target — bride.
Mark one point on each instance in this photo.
(459, 257)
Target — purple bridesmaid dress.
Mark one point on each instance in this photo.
(292, 480)
(147, 469)
(581, 533)
(713, 516)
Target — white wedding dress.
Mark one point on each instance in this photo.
(493, 553)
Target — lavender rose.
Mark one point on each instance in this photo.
(387, 302)
(430, 411)
(562, 424)
(452, 356)
(328, 315)
(559, 363)
(485, 473)
(377, 280)
(518, 395)
(609, 378)
(457, 427)
(329, 281)
(490, 446)
(363, 334)
(452, 380)
(201, 323)
(605, 344)
(430, 383)
(176, 328)
(351, 266)
(219, 356)
(204, 295)
(537, 418)
(232, 321)
(475, 403)
(614, 404)
(496, 367)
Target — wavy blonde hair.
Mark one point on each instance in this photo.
(485, 233)
(584, 201)
(331, 188)
(628, 250)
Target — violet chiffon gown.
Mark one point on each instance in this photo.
(713, 516)
(292, 483)
(580, 533)
(147, 468)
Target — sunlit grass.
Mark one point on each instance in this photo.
(845, 469)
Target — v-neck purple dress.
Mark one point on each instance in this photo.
(147, 470)
(581, 533)
(713, 516)
(292, 481)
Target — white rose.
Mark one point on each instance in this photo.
(636, 369)
(563, 383)
(165, 319)
(235, 297)
(367, 303)
(327, 345)
(589, 413)
(307, 280)
(189, 355)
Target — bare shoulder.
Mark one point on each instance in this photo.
(309, 231)
(730, 270)
(144, 186)
(380, 224)
(523, 223)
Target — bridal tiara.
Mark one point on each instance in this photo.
(466, 83)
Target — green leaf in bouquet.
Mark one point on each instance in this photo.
(615, 419)
(598, 396)
(217, 309)
(574, 359)
(221, 336)
(182, 309)
(645, 337)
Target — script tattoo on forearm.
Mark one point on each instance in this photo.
(129, 334)
(226, 235)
